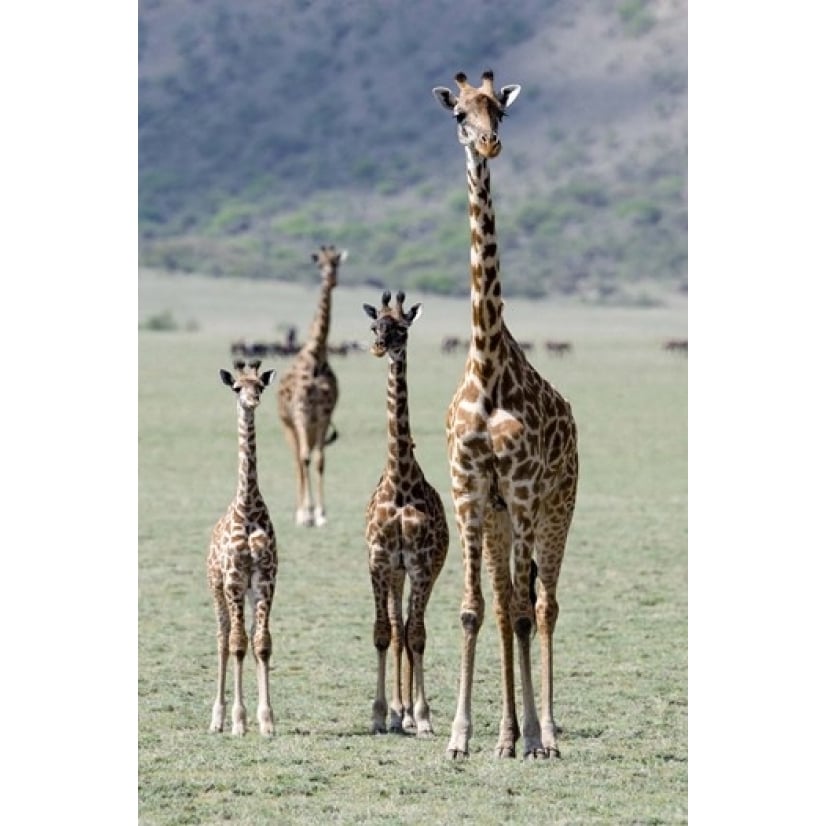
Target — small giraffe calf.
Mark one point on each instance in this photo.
(243, 563)
(406, 533)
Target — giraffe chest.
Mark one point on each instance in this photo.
(312, 386)
(243, 545)
(401, 519)
(508, 427)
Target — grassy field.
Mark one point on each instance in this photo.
(621, 639)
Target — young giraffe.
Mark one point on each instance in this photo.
(243, 562)
(307, 396)
(406, 534)
(512, 445)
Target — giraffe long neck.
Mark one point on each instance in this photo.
(247, 493)
(488, 326)
(317, 339)
(399, 440)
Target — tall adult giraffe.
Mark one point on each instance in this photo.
(512, 446)
(307, 396)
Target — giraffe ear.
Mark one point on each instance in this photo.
(509, 94)
(413, 313)
(342, 256)
(226, 377)
(267, 377)
(445, 97)
(371, 311)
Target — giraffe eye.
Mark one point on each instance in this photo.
(460, 117)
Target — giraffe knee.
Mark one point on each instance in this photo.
(471, 621)
(238, 642)
(381, 636)
(263, 645)
(522, 627)
(415, 638)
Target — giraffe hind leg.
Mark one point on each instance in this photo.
(219, 707)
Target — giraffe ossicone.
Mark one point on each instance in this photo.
(407, 539)
(512, 448)
(242, 564)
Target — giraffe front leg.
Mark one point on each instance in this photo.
(304, 513)
(381, 642)
(496, 549)
(319, 513)
(415, 644)
(523, 623)
(400, 718)
(547, 611)
(219, 707)
(462, 728)
(420, 718)
(238, 649)
(472, 614)
(298, 442)
(262, 648)
(239, 710)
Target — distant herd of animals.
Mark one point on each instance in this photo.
(289, 347)
(450, 344)
(513, 458)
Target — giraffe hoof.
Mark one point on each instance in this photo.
(541, 754)
(503, 752)
(457, 755)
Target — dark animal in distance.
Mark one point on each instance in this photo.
(558, 348)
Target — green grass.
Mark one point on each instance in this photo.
(621, 639)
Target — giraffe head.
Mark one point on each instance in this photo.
(247, 383)
(328, 259)
(478, 112)
(390, 325)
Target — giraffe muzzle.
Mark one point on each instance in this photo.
(488, 146)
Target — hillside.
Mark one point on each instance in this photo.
(268, 128)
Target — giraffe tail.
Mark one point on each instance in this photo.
(332, 436)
